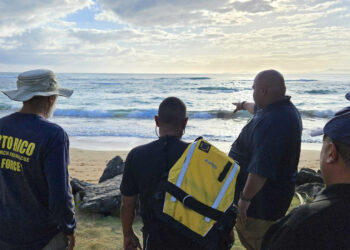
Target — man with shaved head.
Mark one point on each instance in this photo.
(144, 168)
(268, 150)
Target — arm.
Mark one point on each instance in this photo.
(249, 106)
(56, 160)
(252, 187)
(127, 215)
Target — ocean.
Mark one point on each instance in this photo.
(116, 111)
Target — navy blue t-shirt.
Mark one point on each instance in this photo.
(145, 166)
(269, 146)
(35, 198)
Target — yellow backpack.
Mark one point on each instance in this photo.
(199, 194)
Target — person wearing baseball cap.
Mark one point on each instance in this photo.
(36, 206)
(325, 222)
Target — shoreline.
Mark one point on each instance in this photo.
(88, 165)
(114, 143)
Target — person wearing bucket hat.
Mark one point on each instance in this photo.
(36, 83)
(36, 206)
(325, 222)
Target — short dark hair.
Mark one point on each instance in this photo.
(342, 148)
(172, 111)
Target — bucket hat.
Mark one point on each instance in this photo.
(39, 82)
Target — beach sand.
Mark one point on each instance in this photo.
(88, 165)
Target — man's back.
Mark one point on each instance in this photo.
(33, 156)
(269, 145)
(322, 224)
(145, 166)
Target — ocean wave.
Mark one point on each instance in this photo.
(201, 115)
(83, 113)
(217, 89)
(317, 113)
(144, 113)
(150, 113)
(105, 83)
(302, 80)
(185, 78)
(319, 92)
(5, 107)
(195, 78)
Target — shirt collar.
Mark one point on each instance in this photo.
(285, 100)
(334, 191)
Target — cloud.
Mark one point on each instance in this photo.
(174, 36)
(102, 36)
(18, 16)
(162, 12)
(302, 18)
(253, 6)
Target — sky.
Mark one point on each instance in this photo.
(175, 36)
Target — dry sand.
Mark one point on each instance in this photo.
(88, 165)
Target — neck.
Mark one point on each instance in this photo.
(31, 110)
(338, 180)
(273, 100)
(340, 175)
(169, 132)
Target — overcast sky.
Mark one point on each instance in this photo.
(175, 36)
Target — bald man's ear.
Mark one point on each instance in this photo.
(156, 119)
(264, 91)
(185, 123)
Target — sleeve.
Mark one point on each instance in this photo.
(56, 161)
(128, 186)
(269, 146)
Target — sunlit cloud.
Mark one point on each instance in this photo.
(175, 36)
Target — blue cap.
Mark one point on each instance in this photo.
(347, 96)
(337, 128)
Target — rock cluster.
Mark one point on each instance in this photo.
(309, 183)
(104, 197)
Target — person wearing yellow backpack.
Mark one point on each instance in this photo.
(154, 171)
(144, 167)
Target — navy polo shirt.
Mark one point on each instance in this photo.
(269, 146)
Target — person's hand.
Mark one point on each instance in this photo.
(231, 236)
(243, 206)
(71, 241)
(131, 242)
(239, 106)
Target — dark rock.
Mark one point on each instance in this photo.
(78, 185)
(103, 198)
(307, 175)
(310, 189)
(114, 167)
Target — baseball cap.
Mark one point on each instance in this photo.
(337, 128)
(39, 82)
